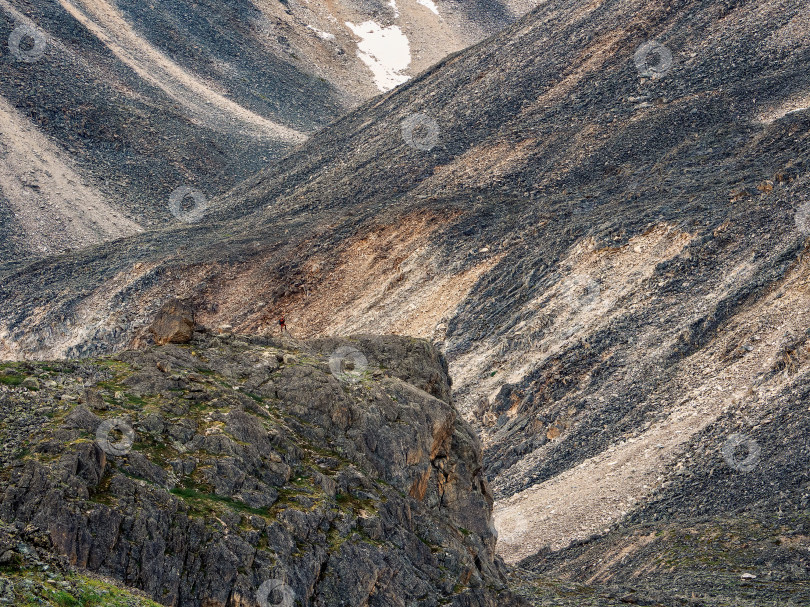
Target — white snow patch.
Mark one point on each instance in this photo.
(321, 33)
(385, 50)
(393, 5)
(429, 4)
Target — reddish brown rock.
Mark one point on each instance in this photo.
(174, 323)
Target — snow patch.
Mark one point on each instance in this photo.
(386, 52)
(393, 5)
(429, 4)
(322, 34)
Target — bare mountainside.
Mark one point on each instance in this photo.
(107, 108)
(600, 214)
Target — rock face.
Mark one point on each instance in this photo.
(174, 323)
(245, 464)
(30, 574)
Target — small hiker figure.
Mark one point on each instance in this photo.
(283, 324)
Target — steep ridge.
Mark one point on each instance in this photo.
(150, 98)
(213, 473)
(614, 264)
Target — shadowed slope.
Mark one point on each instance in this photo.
(148, 98)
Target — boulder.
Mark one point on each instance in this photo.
(173, 324)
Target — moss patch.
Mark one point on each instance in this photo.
(33, 588)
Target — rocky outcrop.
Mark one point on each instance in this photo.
(203, 474)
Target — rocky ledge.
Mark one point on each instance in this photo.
(241, 472)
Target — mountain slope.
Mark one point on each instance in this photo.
(612, 258)
(147, 99)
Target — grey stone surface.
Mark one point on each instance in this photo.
(363, 494)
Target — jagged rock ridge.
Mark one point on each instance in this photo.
(196, 473)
